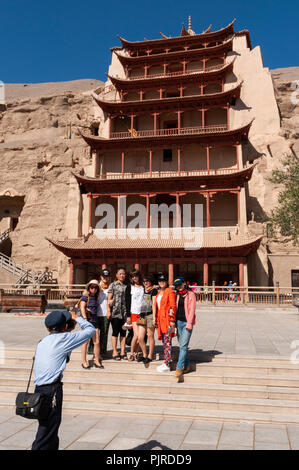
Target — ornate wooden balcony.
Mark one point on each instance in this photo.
(170, 132)
(178, 73)
(167, 174)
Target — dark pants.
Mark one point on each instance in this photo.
(103, 323)
(47, 433)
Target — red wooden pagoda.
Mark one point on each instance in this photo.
(166, 138)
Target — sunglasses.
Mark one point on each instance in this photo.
(93, 287)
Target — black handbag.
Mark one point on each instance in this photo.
(34, 405)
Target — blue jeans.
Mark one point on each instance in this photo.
(184, 338)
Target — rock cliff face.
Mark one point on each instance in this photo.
(40, 148)
(267, 151)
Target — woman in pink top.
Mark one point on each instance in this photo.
(185, 320)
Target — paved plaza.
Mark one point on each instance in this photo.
(220, 330)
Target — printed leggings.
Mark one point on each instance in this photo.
(167, 345)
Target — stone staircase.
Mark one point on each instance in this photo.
(21, 275)
(232, 388)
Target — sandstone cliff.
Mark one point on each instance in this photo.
(40, 147)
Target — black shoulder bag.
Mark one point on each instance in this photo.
(34, 405)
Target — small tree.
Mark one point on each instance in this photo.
(285, 216)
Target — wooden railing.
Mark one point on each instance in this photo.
(167, 174)
(169, 132)
(177, 73)
(210, 295)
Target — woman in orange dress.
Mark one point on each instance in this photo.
(164, 312)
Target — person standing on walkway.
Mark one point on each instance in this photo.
(164, 312)
(102, 311)
(116, 312)
(52, 354)
(134, 298)
(89, 308)
(150, 292)
(185, 320)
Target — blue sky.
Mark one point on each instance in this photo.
(45, 41)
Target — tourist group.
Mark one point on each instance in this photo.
(136, 308)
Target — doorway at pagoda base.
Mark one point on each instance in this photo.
(190, 271)
(223, 272)
(154, 269)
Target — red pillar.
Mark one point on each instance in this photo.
(206, 274)
(179, 161)
(208, 159)
(227, 117)
(122, 164)
(208, 210)
(90, 210)
(137, 266)
(95, 158)
(203, 119)
(178, 210)
(71, 272)
(150, 162)
(170, 274)
(155, 123)
(241, 274)
(239, 209)
(109, 127)
(132, 124)
(179, 122)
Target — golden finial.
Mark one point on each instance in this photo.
(189, 22)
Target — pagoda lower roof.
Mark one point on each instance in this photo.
(176, 55)
(147, 139)
(198, 77)
(185, 40)
(168, 104)
(154, 245)
(186, 181)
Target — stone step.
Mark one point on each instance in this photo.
(288, 369)
(220, 390)
(169, 412)
(200, 357)
(143, 374)
(176, 400)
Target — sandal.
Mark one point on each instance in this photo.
(85, 367)
(116, 358)
(131, 358)
(123, 356)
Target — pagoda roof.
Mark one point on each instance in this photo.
(181, 103)
(186, 181)
(172, 79)
(182, 40)
(153, 246)
(226, 46)
(147, 139)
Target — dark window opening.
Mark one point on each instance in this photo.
(167, 155)
(295, 277)
(172, 94)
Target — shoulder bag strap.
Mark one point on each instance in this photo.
(33, 359)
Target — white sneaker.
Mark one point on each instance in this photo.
(163, 368)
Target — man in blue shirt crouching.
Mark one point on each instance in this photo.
(52, 354)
